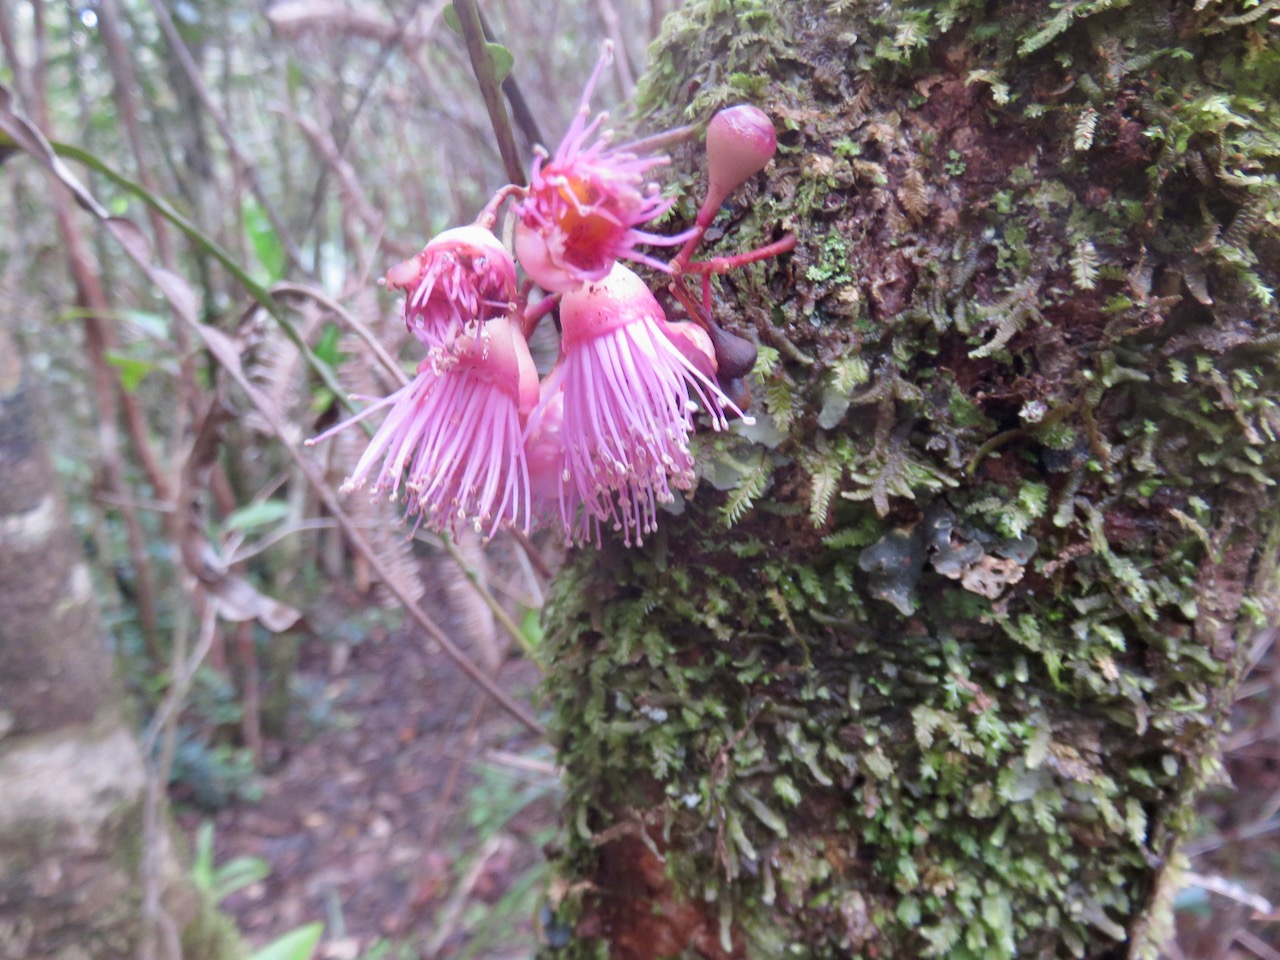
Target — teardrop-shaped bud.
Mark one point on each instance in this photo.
(735, 355)
(740, 142)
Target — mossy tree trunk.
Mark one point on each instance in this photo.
(72, 776)
(935, 660)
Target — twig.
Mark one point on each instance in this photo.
(260, 546)
(1256, 945)
(251, 706)
(1198, 848)
(531, 551)
(164, 728)
(294, 17)
(109, 397)
(138, 503)
(664, 141)
(626, 75)
(482, 66)
(1229, 889)
(452, 914)
(347, 124)
(657, 12)
(125, 83)
(517, 761)
(531, 578)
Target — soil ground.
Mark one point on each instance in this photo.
(409, 819)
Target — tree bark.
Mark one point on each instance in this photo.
(72, 776)
(935, 661)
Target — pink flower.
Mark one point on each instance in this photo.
(584, 204)
(462, 277)
(455, 435)
(624, 385)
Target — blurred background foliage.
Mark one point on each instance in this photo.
(307, 146)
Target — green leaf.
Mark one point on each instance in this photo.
(257, 515)
(264, 240)
(236, 874)
(531, 627)
(501, 58)
(202, 862)
(132, 370)
(321, 399)
(297, 944)
(326, 347)
(451, 20)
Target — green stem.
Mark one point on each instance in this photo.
(490, 88)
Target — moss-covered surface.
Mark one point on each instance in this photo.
(934, 661)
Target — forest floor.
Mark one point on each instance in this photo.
(411, 818)
(402, 808)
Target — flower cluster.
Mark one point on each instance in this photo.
(475, 438)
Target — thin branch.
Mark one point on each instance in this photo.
(490, 90)
(360, 328)
(125, 84)
(533, 554)
(622, 63)
(99, 340)
(347, 124)
(163, 730)
(1256, 945)
(1229, 889)
(283, 533)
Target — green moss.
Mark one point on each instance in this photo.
(857, 713)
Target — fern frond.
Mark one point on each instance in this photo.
(914, 194)
(1084, 265)
(824, 481)
(1086, 125)
(742, 497)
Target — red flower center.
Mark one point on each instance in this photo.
(589, 232)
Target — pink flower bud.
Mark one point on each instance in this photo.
(740, 141)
